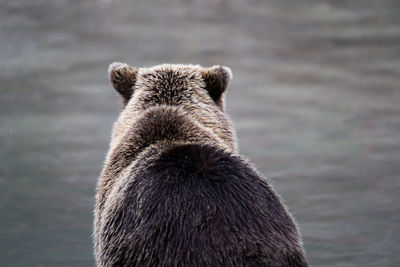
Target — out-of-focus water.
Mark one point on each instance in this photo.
(315, 99)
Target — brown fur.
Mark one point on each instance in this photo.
(165, 107)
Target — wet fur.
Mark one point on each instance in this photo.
(174, 191)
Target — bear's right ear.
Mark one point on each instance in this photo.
(122, 77)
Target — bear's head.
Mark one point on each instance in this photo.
(198, 92)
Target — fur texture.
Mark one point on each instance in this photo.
(174, 191)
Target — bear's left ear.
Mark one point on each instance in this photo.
(122, 77)
(216, 80)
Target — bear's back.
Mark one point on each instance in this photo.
(198, 205)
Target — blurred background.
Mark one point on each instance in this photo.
(315, 100)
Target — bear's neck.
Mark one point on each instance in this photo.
(164, 125)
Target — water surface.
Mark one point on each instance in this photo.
(315, 100)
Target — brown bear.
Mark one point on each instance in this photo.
(173, 190)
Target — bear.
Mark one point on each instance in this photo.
(174, 190)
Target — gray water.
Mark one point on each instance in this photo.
(315, 100)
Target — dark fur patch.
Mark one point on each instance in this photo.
(197, 205)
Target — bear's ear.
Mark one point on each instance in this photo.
(216, 80)
(122, 77)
